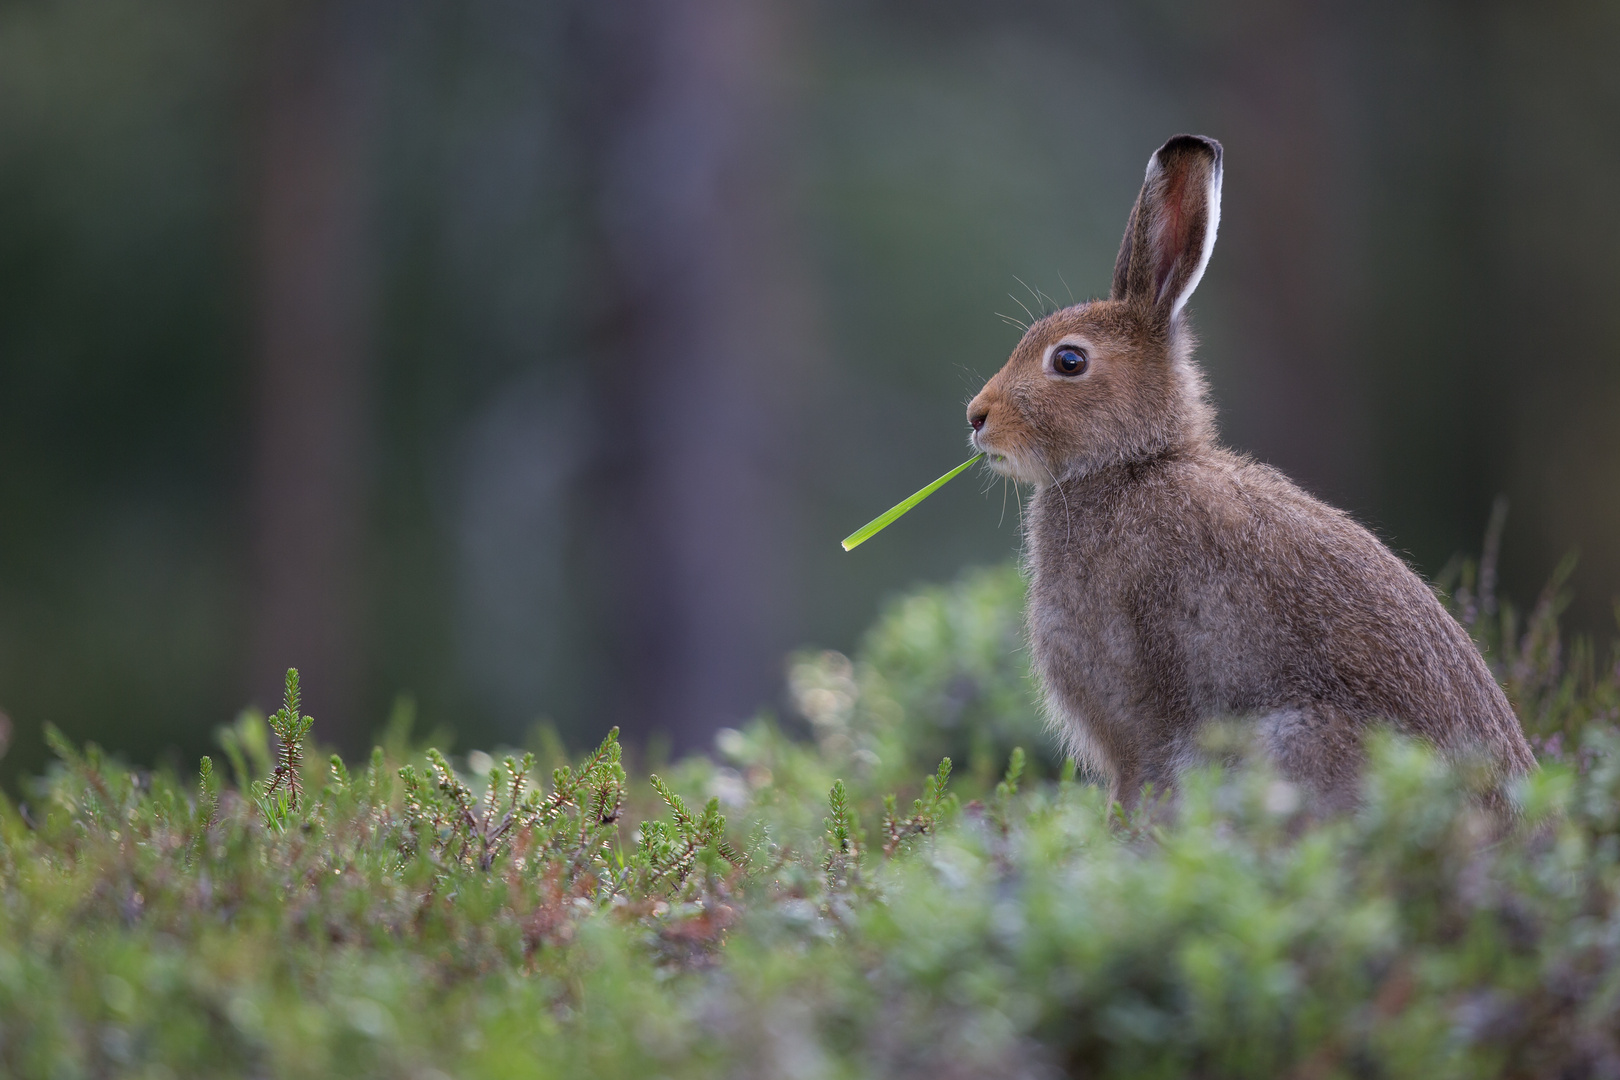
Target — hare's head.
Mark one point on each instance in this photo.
(1113, 380)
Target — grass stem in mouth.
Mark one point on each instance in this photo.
(894, 513)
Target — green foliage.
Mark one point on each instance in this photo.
(403, 918)
(1007, 789)
(291, 729)
(279, 795)
(926, 811)
(1559, 688)
(943, 673)
(845, 841)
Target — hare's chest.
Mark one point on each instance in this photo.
(1083, 636)
(1126, 619)
(1077, 630)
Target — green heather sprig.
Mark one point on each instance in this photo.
(844, 840)
(926, 812)
(899, 510)
(286, 786)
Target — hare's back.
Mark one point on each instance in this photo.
(1327, 613)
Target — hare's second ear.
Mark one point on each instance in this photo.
(1171, 230)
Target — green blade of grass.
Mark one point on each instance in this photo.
(891, 515)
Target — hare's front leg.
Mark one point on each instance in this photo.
(1125, 790)
(1137, 775)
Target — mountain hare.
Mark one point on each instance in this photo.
(1172, 581)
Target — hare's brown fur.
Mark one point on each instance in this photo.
(1173, 582)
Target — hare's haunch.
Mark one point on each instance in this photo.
(1174, 582)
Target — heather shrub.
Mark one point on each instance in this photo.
(944, 672)
(843, 905)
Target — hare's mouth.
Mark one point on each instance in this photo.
(992, 455)
(1014, 466)
(1001, 462)
(1002, 459)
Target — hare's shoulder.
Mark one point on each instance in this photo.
(1310, 560)
(1206, 517)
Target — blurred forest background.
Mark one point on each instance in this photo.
(530, 358)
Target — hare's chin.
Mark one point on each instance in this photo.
(1005, 465)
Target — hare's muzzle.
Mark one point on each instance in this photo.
(978, 410)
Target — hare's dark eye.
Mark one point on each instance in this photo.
(1069, 360)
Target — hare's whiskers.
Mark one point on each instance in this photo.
(1068, 535)
(1041, 299)
(1072, 300)
(1021, 304)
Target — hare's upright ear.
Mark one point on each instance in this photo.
(1171, 230)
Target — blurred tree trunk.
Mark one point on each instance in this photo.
(697, 371)
(1291, 233)
(310, 394)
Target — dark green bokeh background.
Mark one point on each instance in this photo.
(1411, 309)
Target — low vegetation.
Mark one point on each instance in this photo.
(776, 911)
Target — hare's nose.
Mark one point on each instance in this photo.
(977, 418)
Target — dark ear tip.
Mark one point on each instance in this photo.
(1194, 144)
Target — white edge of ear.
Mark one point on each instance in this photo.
(1214, 199)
